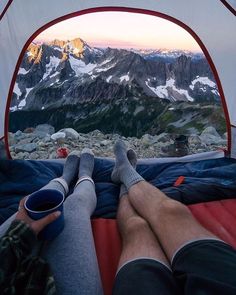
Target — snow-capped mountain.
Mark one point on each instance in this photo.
(167, 54)
(66, 72)
(69, 83)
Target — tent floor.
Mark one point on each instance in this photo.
(218, 217)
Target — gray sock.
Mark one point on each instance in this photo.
(86, 163)
(70, 171)
(131, 155)
(123, 171)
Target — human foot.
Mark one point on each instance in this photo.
(86, 163)
(123, 171)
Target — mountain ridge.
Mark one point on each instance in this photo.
(92, 86)
(60, 62)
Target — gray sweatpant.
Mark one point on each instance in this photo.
(72, 254)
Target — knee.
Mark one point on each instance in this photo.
(81, 200)
(134, 226)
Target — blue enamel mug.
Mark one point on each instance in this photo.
(43, 202)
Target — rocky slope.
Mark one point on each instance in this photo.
(42, 143)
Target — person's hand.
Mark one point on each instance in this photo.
(36, 225)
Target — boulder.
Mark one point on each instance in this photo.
(18, 133)
(29, 130)
(210, 136)
(209, 139)
(29, 147)
(70, 133)
(210, 130)
(41, 134)
(26, 140)
(45, 128)
(58, 136)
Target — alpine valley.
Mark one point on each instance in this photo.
(130, 92)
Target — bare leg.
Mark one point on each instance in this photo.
(137, 237)
(201, 266)
(171, 221)
(143, 266)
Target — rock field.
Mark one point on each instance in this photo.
(43, 142)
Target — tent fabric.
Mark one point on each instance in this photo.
(3, 6)
(231, 5)
(213, 178)
(219, 217)
(24, 19)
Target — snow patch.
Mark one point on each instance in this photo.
(170, 83)
(22, 104)
(108, 79)
(17, 90)
(104, 69)
(80, 67)
(28, 91)
(22, 71)
(125, 77)
(106, 61)
(55, 74)
(51, 66)
(13, 109)
(63, 82)
(204, 81)
(162, 91)
(58, 48)
(215, 92)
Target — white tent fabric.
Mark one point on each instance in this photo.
(232, 3)
(3, 4)
(211, 21)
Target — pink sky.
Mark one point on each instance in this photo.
(122, 30)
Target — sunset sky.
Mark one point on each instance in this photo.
(122, 30)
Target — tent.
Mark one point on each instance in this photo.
(22, 21)
(211, 23)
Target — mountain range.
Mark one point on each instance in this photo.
(72, 83)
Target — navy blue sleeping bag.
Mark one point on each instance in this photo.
(204, 180)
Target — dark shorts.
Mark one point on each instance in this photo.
(205, 267)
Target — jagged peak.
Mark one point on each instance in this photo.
(33, 51)
(57, 42)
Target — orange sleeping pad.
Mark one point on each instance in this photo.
(218, 216)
